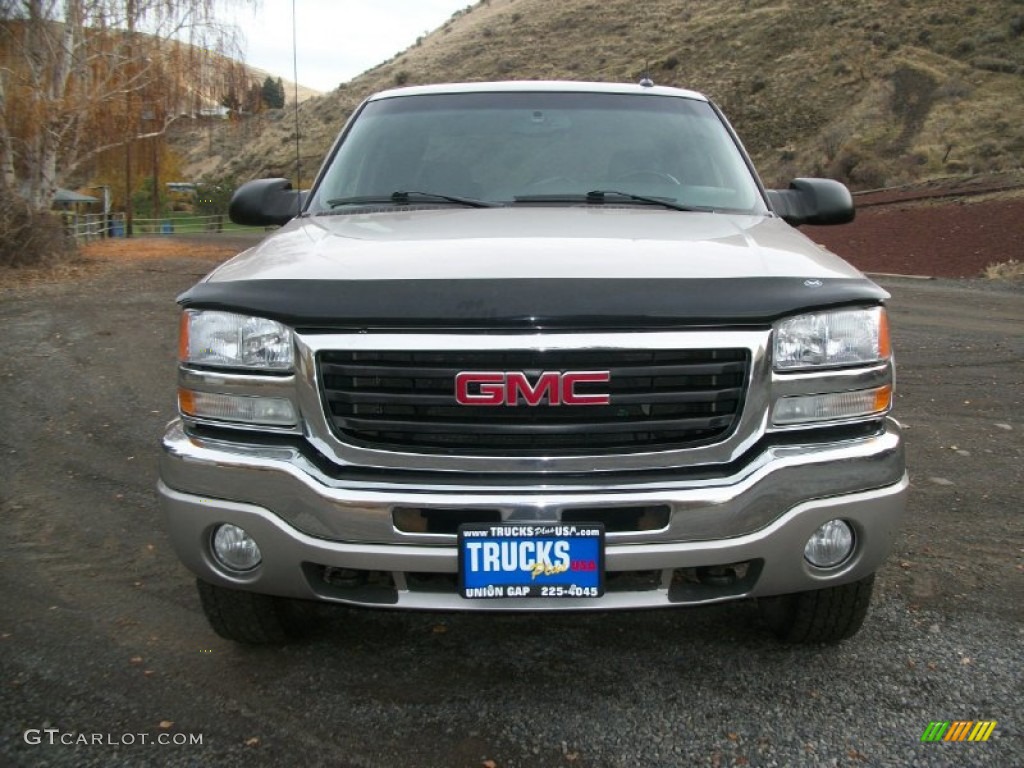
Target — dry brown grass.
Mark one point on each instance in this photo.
(122, 250)
(103, 257)
(1008, 271)
(876, 91)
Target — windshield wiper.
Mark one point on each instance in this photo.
(402, 197)
(599, 196)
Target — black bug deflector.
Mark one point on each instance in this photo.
(530, 303)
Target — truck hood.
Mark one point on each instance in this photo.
(531, 266)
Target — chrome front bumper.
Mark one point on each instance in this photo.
(308, 523)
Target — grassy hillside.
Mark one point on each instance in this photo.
(873, 92)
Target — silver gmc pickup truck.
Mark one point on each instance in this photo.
(535, 346)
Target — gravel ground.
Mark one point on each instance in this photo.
(676, 689)
(101, 633)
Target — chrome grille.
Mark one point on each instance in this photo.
(660, 399)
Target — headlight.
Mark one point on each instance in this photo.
(830, 339)
(833, 406)
(228, 340)
(245, 409)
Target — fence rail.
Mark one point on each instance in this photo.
(85, 226)
(89, 226)
(182, 225)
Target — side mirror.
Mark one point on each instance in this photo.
(813, 201)
(265, 202)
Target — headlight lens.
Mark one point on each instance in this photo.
(245, 409)
(830, 545)
(834, 406)
(229, 340)
(830, 339)
(235, 549)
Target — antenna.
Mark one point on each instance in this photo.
(645, 77)
(295, 85)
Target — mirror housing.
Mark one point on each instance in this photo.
(265, 202)
(813, 201)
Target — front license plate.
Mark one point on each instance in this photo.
(531, 560)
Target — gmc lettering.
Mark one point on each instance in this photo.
(506, 388)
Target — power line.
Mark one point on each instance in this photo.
(295, 84)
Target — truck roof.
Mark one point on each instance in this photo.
(544, 86)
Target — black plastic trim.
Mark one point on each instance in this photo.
(530, 302)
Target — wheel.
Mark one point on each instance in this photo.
(252, 618)
(818, 616)
(648, 175)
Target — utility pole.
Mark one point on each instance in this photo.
(156, 176)
(151, 114)
(128, 184)
(131, 123)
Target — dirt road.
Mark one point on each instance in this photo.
(101, 634)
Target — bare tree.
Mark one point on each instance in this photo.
(79, 78)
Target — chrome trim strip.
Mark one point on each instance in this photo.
(222, 383)
(821, 382)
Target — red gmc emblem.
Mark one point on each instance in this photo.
(506, 387)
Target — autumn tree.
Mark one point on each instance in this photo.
(84, 78)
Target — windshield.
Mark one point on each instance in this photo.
(539, 148)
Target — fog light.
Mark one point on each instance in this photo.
(830, 545)
(235, 549)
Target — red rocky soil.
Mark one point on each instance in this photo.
(947, 238)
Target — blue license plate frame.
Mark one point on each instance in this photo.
(549, 560)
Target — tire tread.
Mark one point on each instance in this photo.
(819, 616)
(246, 617)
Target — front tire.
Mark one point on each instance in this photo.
(251, 618)
(818, 616)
